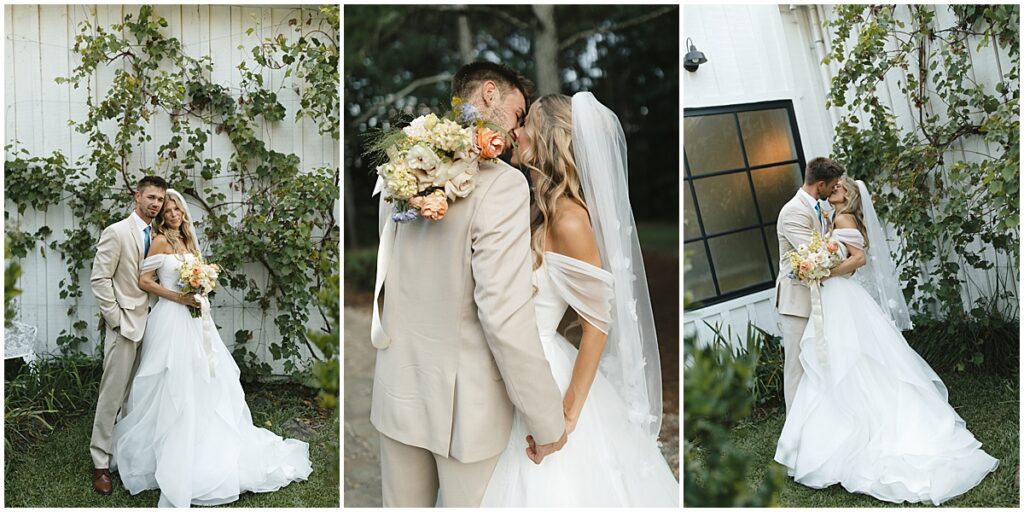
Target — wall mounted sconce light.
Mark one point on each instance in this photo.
(693, 58)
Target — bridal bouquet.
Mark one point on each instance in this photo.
(812, 262)
(199, 278)
(435, 160)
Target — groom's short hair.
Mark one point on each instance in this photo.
(822, 169)
(472, 75)
(151, 181)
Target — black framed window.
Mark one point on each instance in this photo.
(742, 164)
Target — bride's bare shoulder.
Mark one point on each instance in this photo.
(571, 233)
(845, 220)
(160, 245)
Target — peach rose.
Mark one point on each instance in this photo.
(432, 207)
(832, 246)
(805, 266)
(491, 143)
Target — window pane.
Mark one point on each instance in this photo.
(775, 186)
(725, 202)
(773, 246)
(698, 278)
(691, 228)
(740, 260)
(711, 143)
(767, 136)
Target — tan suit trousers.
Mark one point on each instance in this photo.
(412, 476)
(792, 331)
(119, 365)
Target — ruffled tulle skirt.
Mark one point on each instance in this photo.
(607, 462)
(871, 415)
(186, 428)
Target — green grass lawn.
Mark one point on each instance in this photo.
(56, 472)
(988, 404)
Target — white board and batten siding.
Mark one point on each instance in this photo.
(38, 49)
(773, 52)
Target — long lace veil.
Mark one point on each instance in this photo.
(631, 361)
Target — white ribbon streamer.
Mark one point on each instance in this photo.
(209, 328)
(378, 338)
(818, 317)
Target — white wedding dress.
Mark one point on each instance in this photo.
(870, 413)
(608, 461)
(186, 428)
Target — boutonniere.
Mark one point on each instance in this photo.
(435, 160)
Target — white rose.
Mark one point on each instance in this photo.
(422, 158)
(460, 186)
(420, 127)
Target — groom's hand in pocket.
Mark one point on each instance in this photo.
(537, 452)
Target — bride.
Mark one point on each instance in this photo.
(870, 413)
(587, 257)
(186, 427)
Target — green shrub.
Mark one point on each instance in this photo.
(771, 362)
(978, 340)
(40, 396)
(360, 269)
(11, 275)
(718, 394)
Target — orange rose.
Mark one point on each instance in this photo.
(491, 143)
(432, 207)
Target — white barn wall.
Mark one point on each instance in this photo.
(770, 52)
(38, 41)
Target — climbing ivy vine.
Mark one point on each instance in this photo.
(259, 210)
(949, 182)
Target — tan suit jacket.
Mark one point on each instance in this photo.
(797, 221)
(464, 343)
(115, 279)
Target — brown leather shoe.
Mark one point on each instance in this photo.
(101, 481)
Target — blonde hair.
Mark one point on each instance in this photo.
(853, 205)
(180, 239)
(550, 156)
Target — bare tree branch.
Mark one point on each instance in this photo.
(392, 97)
(501, 13)
(614, 27)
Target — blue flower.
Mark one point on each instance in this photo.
(468, 113)
(406, 215)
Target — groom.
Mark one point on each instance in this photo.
(464, 348)
(798, 219)
(115, 283)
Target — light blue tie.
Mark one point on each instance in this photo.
(821, 220)
(146, 240)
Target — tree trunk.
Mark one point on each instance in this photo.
(350, 213)
(466, 53)
(545, 50)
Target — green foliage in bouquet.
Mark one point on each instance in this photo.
(274, 217)
(948, 184)
(718, 394)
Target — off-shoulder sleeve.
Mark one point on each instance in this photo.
(849, 236)
(153, 262)
(586, 288)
